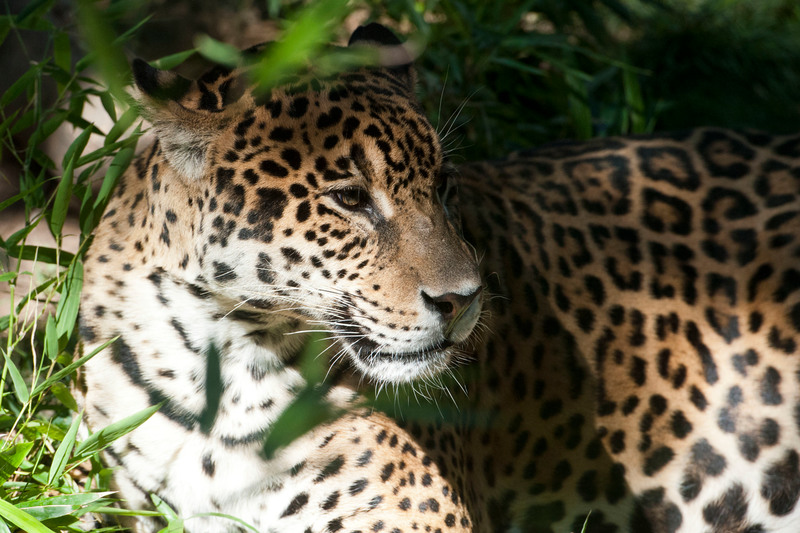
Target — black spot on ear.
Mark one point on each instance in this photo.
(374, 33)
(159, 84)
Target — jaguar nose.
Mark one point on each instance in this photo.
(451, 306)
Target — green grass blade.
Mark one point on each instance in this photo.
(63, 395)
(115, 170)
(62, 453)
(579, 112)
(174, 522)
(22, 84)
(76, 148)
(69, 369)
(58, 506)
(5, 27)
(11, 459)
(103, 438)
(171, 61)
(634, 101)
(118, 511)
(20, 388)
(51, 338)
(21, 519)
(41, 253)
(218, 52)
(121, 125)
(108, 104)
(227, 517)
(58, 214)
(68, 305)
(62, 52)
(108, 149)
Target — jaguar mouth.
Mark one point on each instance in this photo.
(367, 349)
(383, 365)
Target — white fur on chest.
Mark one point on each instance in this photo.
(224, 382)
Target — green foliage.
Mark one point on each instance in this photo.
(493, 76)
(40, 451)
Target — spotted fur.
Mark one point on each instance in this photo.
(641, 302)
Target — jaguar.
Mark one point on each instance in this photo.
(609, 329)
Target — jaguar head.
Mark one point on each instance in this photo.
(326, 200)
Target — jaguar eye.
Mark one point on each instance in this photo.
(351, 198)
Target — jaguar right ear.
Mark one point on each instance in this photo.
(393, 54)
(183, 116)
(159, 84)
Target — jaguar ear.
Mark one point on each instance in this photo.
(374, 33)
(392, 53)
(175, 107)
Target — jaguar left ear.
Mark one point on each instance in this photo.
(393, 54)
(184, 128)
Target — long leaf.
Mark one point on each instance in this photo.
(11, 459)
(69, 369)
(22, 519)
(174, 522)
(171, 61)
(24, 81)
(41, 253)
(64, 192)
(115, 169)
(121, 125)
(227, 517)
(20, 388)
(103, 438)
(62, 453)
(51, 338)
(68, 305)
(58, 506)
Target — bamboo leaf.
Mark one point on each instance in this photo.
(118, 165)
(218, 52)
(20, 234)
(58, 506)
(62, 53)
(109, 149)
(21, 519)
(62, 394)
(76, 148)
(34, 7)
(5, 27)
(58, 214)
(122, 124)
(41, 253)
(67, 310)
(11, 458)
(51, 338)
(227, 517)
(108, 104)
(103, 438)
(171, 61)
(580, 113)
(69, 369)
(63, 451)
(22, 84)
(174, 523)
(20, 388)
